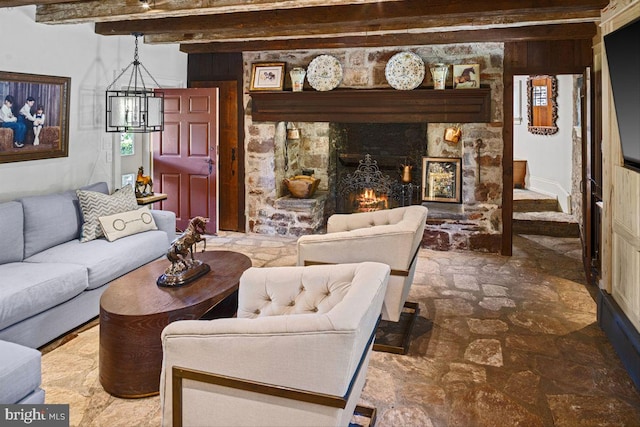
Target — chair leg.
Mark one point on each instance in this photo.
(367, 412)
(414, 311)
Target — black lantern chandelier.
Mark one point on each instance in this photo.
(135, 108)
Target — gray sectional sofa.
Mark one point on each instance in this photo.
(50, 282)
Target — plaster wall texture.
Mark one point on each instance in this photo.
(92, 62)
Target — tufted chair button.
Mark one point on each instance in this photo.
(301, 288)
(267, 298)
(328, 293)
(314, 309)
(256, 312)
(292, 303)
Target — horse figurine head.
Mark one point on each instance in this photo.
(199, 224)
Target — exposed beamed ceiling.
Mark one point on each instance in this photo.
(201, 26)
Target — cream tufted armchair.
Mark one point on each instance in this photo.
(391, 236)
(296, 355)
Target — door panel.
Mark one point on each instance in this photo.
(230, 155)
(185, 155)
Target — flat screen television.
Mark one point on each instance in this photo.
(623, 56)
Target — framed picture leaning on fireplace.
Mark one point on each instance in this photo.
(441, 179)
(34, 123)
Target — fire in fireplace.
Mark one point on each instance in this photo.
(366, 189)
(369, 200)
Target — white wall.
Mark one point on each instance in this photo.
(549, 158)
(92, 61)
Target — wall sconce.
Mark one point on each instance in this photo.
(136, 108)
(145, 4)
(293, 133)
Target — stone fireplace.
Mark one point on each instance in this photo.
(324, 147)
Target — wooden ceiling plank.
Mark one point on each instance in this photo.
(18, 3)
(410, 26)
(112, 10)
(115, 10)
(536, 32)
(326, 20)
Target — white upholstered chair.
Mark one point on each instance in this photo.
(296, 355)
(391, 236)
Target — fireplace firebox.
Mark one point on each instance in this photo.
(365, 190)
(371, 158)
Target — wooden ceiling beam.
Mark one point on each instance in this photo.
(369, 17)
(114, 10)
(118, 10)
(408, 27)
(365, 15)
(17, 3)
(526, 33)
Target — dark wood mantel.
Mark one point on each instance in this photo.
(374, 105)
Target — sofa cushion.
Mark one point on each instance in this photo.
(11, 226)
(127, 223)
(52, 219)
(20, 372)
(105, 260)
(48, 221)
(95, 204)
(28, 289)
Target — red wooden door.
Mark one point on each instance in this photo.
(185, 155)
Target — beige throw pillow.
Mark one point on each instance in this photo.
(94, 205)
(127, 223)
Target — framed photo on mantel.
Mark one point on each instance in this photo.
(441, 179)
(267, 76)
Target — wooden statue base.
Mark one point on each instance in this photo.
(196, 270)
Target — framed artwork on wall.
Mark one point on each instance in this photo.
(542, 105)
(267, 76)
(466, 76)
(34, 121)
(441, 179)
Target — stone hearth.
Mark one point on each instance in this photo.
(295, 217)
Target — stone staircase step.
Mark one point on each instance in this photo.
(536, 205)
(530, 201)
(556, 224)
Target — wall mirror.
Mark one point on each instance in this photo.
(542, 106)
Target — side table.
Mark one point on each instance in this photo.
(146, 200)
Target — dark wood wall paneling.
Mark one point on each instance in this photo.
(215, 66)
(211, 67)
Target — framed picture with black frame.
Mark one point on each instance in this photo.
(441, 179)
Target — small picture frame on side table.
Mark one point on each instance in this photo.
(441, 179)
(267, 76)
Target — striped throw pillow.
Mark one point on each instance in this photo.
(94, 205)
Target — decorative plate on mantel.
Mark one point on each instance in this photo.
(324, 73)
(405, 71)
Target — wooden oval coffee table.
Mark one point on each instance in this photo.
(134, 311)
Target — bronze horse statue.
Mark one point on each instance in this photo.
(182, 247)
(184, 267)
